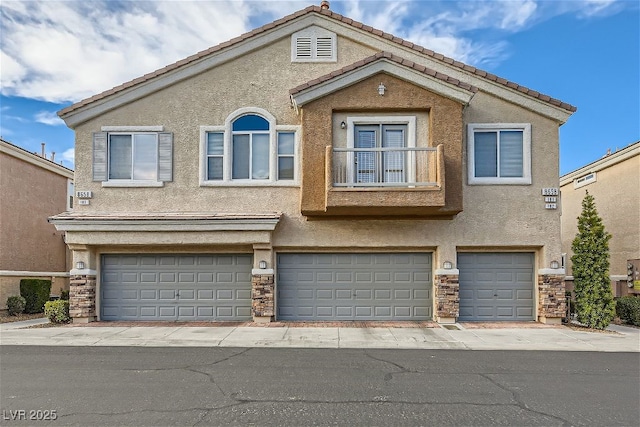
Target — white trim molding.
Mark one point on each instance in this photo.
(551, 272)
(9, 273)
(132, 128)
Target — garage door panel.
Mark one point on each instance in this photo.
(496, 286)
(383, 294)
(383, 311)
(180, 288)
(324, 311)
(363, 294)
(244, 294)
(362, 286)
(505, 294)
(343, 294)
(400, 311)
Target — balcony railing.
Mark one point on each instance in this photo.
(384, 167)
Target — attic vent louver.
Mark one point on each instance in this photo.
(313, 44)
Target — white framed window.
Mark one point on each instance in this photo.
(314, 44)
(250, 149)
(585, 180)
(499, 153)
(70, 194)
(132, 156)
(384, 164)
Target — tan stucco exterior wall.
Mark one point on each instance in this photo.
(438, 121)
(617, 200)
(493, 217)
(29, 195)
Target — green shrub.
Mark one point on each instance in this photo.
(57, 311)
(36, 292)
(628, 309)
(64, 295)
(15, 305)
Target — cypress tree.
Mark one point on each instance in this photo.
(595, 306)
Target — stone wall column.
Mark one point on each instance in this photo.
(262, 295)
(552, 302)
(83, 285)
(82, 298)
(447, 296)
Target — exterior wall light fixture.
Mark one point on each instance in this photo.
(447, 265)
(262, 264)
(381, 89)
(555, 264)
(80, 265)
(343, 125)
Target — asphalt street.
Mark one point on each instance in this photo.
(195, 386)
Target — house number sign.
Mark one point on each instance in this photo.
(84, 194)
(550, 197)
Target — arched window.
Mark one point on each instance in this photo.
(250, 148)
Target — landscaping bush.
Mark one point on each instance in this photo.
(64, 295)
(36, 292)
(628, 309)
(57, 311)
(15, 305)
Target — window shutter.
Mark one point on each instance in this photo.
(303, 47)
(165, 156)
(324, 47)
(100, 156)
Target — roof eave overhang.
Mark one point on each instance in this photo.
(385, 66)
(163, 225)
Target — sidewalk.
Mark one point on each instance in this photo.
(539, 337)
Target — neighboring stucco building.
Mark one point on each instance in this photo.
(32, 188)
(316, 168)
(614, 182)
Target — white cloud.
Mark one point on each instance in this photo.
(67, 50)
(68, 155)
(48, 118)
(62, 51)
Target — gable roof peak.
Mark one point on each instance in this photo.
(324, 10)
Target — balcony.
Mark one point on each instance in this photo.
(393, 167)
(385, 182)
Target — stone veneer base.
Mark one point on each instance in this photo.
(447, 297)
(82, 298)
(262, 296)
(552, 302)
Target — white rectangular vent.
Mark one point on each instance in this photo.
(324, 47)
(314, 44)
(303, 47)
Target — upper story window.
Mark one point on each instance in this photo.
(132, 156)
(380, 151)
(499, 153)
(250, 149)
(314, 44)
(584, 180)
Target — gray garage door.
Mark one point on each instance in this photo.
(496, 286)
(394, 286)
(176, 287)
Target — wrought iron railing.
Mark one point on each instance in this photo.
(384, 167)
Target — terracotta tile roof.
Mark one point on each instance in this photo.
(338, 17)
(384, 55)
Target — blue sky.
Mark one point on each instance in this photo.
(584, 52)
